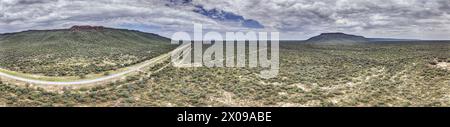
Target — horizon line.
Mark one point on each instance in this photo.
(118, 28)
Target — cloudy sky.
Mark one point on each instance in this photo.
(294, 19)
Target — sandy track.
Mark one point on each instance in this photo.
(97, 80)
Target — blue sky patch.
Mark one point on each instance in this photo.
(218, 14)
(221, 15)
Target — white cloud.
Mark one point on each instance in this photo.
(296, 18)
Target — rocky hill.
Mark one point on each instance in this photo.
(337, 38)
(78, 50)
(86, 28)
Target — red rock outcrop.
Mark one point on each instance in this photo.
(86, 28)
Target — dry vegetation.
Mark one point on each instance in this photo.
(396, 74)
(69, 53)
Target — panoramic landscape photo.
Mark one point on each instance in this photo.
(225, 53)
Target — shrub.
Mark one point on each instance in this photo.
(433, 63)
